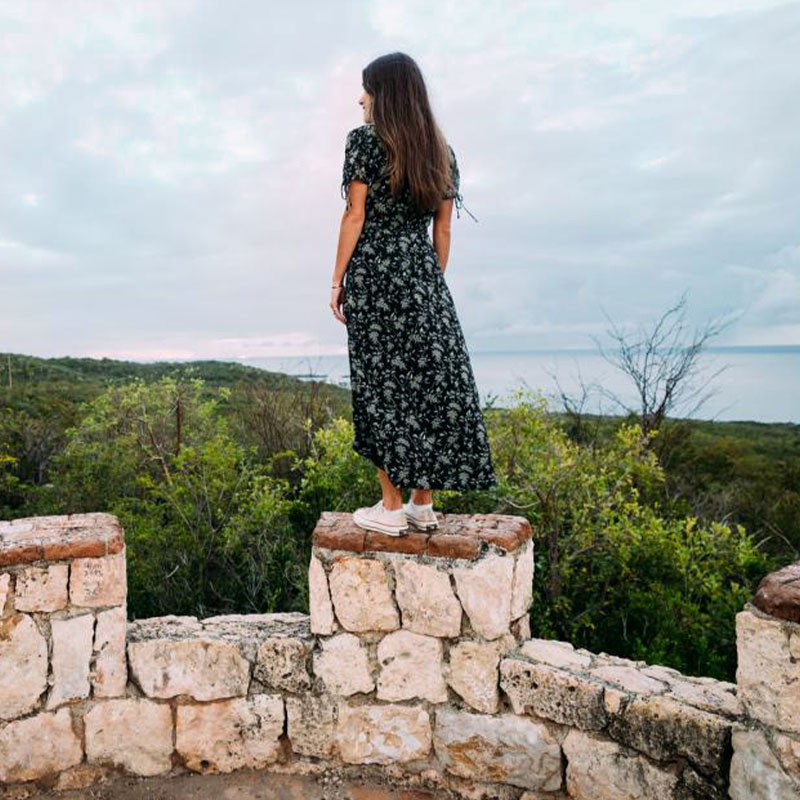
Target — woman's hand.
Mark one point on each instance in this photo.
(337, 303)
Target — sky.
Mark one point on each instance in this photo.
(171, 169)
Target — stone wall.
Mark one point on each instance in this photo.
(416, 659)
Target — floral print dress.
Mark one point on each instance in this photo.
(416, 409)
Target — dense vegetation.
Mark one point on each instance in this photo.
(219, 471)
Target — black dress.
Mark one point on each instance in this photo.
(416, 409)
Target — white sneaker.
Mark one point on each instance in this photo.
(378, 518)
(421, 517)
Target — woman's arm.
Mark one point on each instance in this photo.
(350, 228)
(441, 231)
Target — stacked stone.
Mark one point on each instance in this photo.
(62, 635)
(766, 760)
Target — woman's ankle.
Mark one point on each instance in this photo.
(422, 497)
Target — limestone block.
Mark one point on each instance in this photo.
(553, 693)
(630, 679)
(521, 628)
(71, 659)
(768, 671)
(132, 733)
(97, 582)
(343, 665)
(411, 666)
(426, 599)
(382, 734)
(508, 748)
(472, 672)
(598, 768)
(5, 591)
(23, 665)
(38, 746)
(484, 589)
(281, 663)
(42, 588)
(361, 595)
(311, 724)
(230, 734)
(319, 597)
(662, 727)
(557, 654)
(522, 586)
(787, 748)
(756, 773)
(718, 699)
(203, 668)
(110, 674)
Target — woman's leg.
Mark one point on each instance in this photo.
(392, 496)
(422, 496)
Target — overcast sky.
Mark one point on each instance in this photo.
(171, 169)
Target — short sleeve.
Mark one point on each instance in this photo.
(455, 177)
(358, 161)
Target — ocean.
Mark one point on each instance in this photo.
(760, 384)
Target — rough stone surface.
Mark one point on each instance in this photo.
(522, 587)
(662, 728)
(230, 734)
(778, 594)
(598, 768)
(768, 671)
(204, 668)
(472, 672)
(756, 773)
(504, 748)
(361, 595)
(97, 582)
(5, 591)
(57, 538)
(42, 588)
(110, 674)
(553, 693)
(484, 589)
(311, 724)
(132, 733)
(629, 679)
(281, 663)
(23, 658)
(72, 654)
(557, 654)
(382, 734)
(320, 607)
(343, 665)
(38, 746)
(426, 599)
(411, 666)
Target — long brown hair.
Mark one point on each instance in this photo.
(416, 149)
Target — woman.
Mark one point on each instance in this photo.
(416, 410)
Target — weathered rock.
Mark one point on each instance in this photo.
(553, 693)
(505, 748)
(203, 668)
(72, 655)
(629, 679)
(787, 748)
(472, 672)
(411, 666)
(319, 597)
(426, 599)
(557, 654)
(132, 733)
(97, 582)
(382, 734)
(23, 656)
(708, 697)
(311, 723)
(281, 663)
(361, 595)
(41, 588)
(778, 594)
(38, 746)
(756, 773)
(662, 728)
(343, 665)
(484, 589)
(522, 586)
(597, 768)
(768, 671)
(230, 734)
(521, 628)
(110, 668)
(5, 591)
